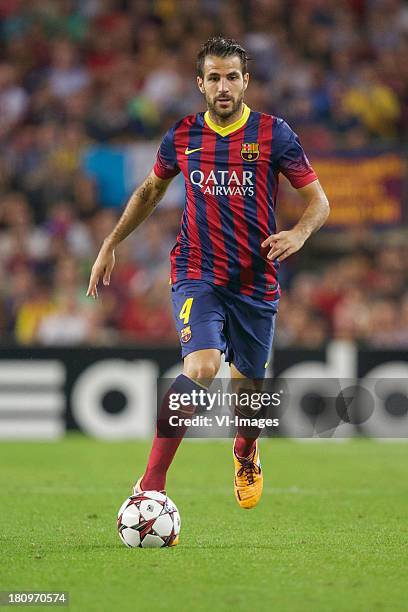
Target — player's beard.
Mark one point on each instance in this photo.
(225, 113)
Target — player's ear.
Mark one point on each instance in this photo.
(246, 79)
(200, 84)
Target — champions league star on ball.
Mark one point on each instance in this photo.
(149, 520)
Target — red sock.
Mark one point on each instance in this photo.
(246, 437)
(164, 448)
(243, 447)
(161, 456)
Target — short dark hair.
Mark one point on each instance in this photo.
(221, 47)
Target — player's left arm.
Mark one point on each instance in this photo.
(317, 210)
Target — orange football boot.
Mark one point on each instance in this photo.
(248, 481)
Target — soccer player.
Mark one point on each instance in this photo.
(224, 264)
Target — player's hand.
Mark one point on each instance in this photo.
(284, 244)
(102, 267)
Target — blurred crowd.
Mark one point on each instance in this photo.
(362, 296)
(78, 72)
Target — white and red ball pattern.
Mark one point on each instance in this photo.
(148, 520)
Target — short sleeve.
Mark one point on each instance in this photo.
(289, 156)
(166, 160)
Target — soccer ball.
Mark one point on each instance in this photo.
(148, 520)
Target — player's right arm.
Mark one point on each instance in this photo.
(141, 204)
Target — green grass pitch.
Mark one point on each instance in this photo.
(329, 534)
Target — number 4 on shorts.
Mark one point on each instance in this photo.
(185, 310)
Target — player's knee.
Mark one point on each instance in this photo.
(202, 371)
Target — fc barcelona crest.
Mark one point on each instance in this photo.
(250, 151)
(185, 334)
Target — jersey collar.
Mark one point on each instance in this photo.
(228, 129)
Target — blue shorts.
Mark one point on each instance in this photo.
(211, 316)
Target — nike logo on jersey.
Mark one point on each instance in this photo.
(189, 151)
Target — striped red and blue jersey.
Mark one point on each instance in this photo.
(231, 177)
